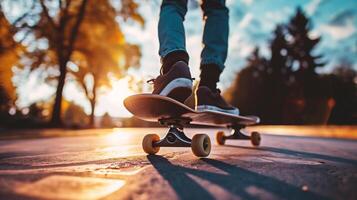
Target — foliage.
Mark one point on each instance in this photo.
(54, 29)
(4, 100)
(81, 33)
(10, 51)
(244, 92)
(345, 94)
(74, 116)
(286, 88)
(301, 45)
(102, 53)
(106, 121)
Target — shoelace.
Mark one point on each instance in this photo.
(151, 81)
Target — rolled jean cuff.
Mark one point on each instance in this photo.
(213, 61)
(166, 52)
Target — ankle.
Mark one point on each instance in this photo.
(210, 76)
(170, 59)
(211, 86)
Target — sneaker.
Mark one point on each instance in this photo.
(208, 100)
(176, 83)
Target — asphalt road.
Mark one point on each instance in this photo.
(112, 165)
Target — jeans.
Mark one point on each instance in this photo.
(215, 35)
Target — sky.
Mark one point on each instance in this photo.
(251, 24)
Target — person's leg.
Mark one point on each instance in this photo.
(215, 41)
(171, 33)
(213, 56)
(175, 78)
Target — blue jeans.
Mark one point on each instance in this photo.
(215, 35)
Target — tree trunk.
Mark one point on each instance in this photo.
(93, 101)
(92, 104)
(57, 106)
(64, 53)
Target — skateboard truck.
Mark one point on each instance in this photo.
(175, 122)
(238, 135)
(175, 137)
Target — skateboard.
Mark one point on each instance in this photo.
(176, 115)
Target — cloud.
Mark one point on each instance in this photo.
(343, 18)
(312, 7)
(246, 20)
(339, 32)
(247, 2)
(252, 29)
(249, 21)
(278, 17)
(341, 26)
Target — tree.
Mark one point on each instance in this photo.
(56, 25)
(310, 87)
(301, 44)
(279, 48)
(102, 53)
(277, 77)
(247, 90)
(74, 116)
(300, 53)
(4, 100)
(285, 88)
(106, 121)
(344, 94)
(10, 52)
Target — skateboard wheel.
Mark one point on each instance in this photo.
(201, 145)
(147, 143)
(220, 139)
(255, 138)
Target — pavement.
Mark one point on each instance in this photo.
(110, 164)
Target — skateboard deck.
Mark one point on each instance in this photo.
(154, 108)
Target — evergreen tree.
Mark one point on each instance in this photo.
(301, 44)
(277, 76)
(247, 92)
(279, 47)
(309, 90)
(285, 89)
(344, 94)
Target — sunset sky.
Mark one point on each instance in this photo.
(251, 24)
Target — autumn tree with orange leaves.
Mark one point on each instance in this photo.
(99, 62)
(10, 51)
(79, 33)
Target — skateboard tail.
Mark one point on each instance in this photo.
(154, 107)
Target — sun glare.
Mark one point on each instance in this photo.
(112, 102)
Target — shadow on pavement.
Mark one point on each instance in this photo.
(236, 181)
(299, 154)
